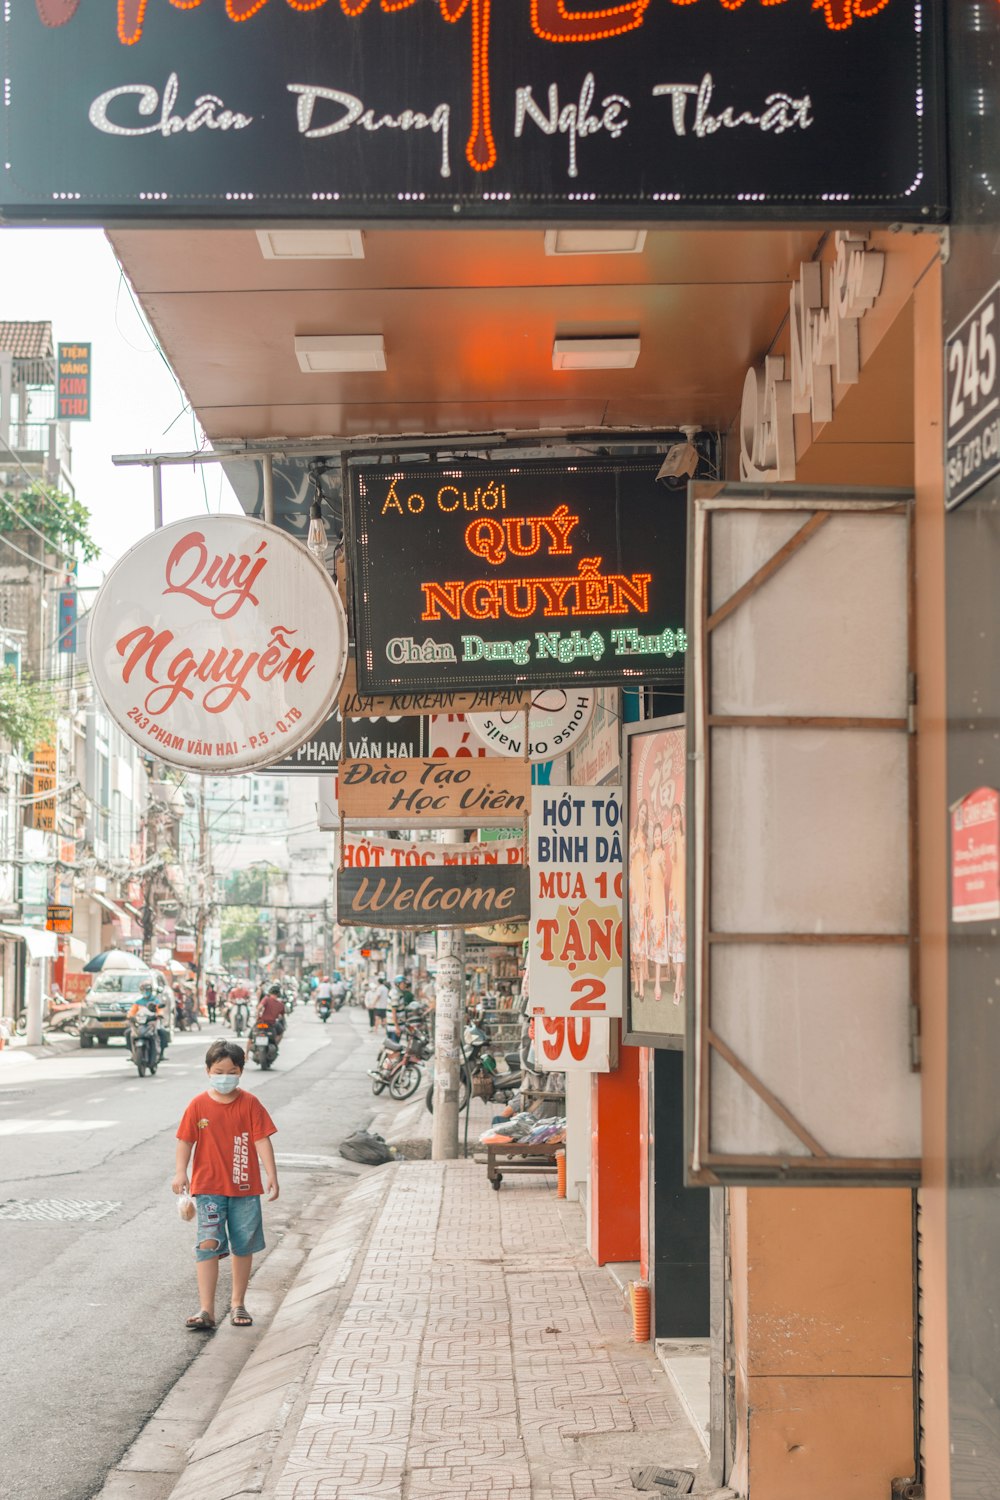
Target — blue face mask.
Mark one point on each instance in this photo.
(224, 1083)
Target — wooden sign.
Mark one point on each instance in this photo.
(446, 896)
(377, 705)
(435, 790)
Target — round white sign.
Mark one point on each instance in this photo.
(556, 721)
(218, 644)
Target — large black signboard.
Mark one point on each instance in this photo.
(540, 572)
(388, 109)
(393, 737)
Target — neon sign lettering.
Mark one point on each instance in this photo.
(590, 592)
(550, 20)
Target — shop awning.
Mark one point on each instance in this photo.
(40, 944)
(133, 911)
(76, 948)
(108, 905)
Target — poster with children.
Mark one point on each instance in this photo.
(656, 882)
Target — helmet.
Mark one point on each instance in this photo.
(275, 989)
(146, 985)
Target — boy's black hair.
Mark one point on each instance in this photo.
(220, 1049)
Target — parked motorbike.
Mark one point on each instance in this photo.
(480, 1073)
(145, 1037)
(400, 1062)
(399, 1067)
(64, 1016)
(264, 1044)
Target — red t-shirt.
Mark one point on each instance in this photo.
(224, 1135)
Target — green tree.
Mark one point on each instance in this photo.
(240, 933)
(249, 887)
(63, 521)
(27, 711)
(246, 893)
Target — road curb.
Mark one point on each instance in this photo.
(235, 1455)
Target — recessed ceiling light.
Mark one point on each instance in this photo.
(311, 244)
(594, 241)
(326, 354)
(595, 354)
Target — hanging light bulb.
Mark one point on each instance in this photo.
(316, 541)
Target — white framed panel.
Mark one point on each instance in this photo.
(802, 825)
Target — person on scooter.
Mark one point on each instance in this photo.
(323, 991)
(151, 1001)
(272, 1010)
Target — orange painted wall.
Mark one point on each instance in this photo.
(616, 1164)
(933, 886)
(826, 1369)
(645, 1063)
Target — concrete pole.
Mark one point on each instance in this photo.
(448, 1017)
(33, 985)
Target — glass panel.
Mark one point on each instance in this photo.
(825, 634)
(809, 831)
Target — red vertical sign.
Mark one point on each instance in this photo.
(975, 857)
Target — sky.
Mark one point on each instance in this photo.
(71, 277)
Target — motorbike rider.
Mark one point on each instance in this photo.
(271, 1009)
(404, 992)
(339, 991)
(323, 991)
(148, 998)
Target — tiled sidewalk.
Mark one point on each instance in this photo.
(482, 1356)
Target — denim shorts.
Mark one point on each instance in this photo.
(235, 1224)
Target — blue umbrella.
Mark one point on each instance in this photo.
(114, 958)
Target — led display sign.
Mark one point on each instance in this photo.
(539, 572)
(540, 109)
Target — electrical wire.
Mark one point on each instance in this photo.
(46, 567)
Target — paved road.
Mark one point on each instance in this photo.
(93, 1309)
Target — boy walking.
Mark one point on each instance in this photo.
(227, 1130)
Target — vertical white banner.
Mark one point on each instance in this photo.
(576, 901)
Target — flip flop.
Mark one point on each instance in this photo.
(239, 1317)
(202, 1322)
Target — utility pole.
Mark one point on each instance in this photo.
(448, 1015)
(205, 876)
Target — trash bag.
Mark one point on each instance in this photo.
(365, 1147)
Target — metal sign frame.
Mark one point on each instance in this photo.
(810, 1162)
